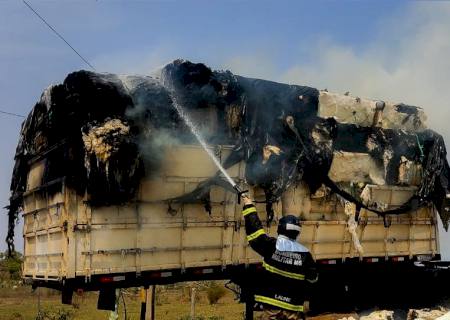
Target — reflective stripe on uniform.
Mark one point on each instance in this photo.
(278, 303)
(283, 273)
(313, 280)
(248, 211)
(255, 235)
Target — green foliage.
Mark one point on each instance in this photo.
(10, 267)
(215, 292)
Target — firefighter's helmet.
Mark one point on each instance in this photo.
(289, 226)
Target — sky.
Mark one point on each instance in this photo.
(389, 50)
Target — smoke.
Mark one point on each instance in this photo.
(150, 101)
(155, 116)
(407, 62)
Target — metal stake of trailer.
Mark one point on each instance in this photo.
(39, 302)
(193, 291)
(143, 302)
(146, 298)
(152, 299)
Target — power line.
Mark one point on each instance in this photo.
(12, 114)
(58, 34)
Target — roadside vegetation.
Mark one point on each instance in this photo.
(20, 302)
(10, 268)
(172, 303)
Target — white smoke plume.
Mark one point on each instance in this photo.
(408, 61)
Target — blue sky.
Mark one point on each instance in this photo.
(382, 49)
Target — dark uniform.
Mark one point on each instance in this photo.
(283, 288)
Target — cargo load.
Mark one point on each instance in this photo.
(109, 132)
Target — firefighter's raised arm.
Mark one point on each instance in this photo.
(256, 235)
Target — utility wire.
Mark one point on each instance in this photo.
(58, 34)
(12, 114)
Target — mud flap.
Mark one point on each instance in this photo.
(107, 299)
(66, 295)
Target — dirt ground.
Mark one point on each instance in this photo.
(434, 313)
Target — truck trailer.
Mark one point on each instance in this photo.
(115, 191)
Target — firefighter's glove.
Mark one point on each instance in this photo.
(246, 200)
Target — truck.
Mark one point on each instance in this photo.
(73, 242)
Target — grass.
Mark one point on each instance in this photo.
(172, 303)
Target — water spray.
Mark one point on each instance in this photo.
(203, 143)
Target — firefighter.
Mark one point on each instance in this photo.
(287, 264)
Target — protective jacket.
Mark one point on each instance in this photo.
(288, 266)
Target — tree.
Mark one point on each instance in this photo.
(11, 267)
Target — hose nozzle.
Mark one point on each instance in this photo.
(239, 192)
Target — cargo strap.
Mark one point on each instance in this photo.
(255, 235)
(283, 273)
(278, 303)
(248, 211)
